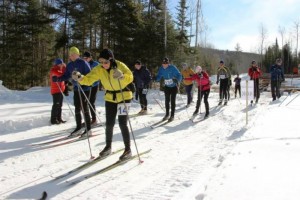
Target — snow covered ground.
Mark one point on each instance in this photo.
(220, 158)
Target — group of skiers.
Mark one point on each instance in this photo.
(117, 79)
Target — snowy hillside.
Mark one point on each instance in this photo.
(220, 158)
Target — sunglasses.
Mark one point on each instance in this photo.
(104, 62)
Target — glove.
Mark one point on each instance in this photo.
(217, 82)
(118, 74)
(76, 76)
(54, 79)
(254, 69)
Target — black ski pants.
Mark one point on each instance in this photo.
(93, 96)
(188, 90)
(275, 89)
(170, 96)
(143, 98)
(84, 108)
(256, 89)
(111, 110)
(223, 89)
(202, 94)
(56, 107)
(237, 88)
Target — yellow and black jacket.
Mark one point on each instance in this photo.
(111, 85)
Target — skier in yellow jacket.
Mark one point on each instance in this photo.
(115, 77)
(187, 72)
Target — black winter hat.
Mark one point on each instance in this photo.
(107, 54)
(86, 54)
(166, 60)
(138, 62)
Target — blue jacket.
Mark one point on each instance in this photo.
(171, 76)
(142, 77)
(93, 64)
(276, 73)
(78, 65)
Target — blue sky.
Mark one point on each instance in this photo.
(239, 21)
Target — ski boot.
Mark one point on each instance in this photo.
(106, 151)
(126, 155)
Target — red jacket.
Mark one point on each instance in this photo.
(254, 72)
(57, 71)
(202, 80)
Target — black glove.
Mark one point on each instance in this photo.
(66, 92)
(54, 79)
(254, 69)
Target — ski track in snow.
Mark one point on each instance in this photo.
(207, 149)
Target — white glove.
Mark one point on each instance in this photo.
(118, 74)
(76, 76)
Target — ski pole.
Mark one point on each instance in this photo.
(66, 99)
(83, 112)
(123, 99)
(183, 101)
(87, 99)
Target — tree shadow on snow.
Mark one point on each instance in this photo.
(237, 134)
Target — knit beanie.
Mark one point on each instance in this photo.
(74, 50)
(107, 54)
(58, 61)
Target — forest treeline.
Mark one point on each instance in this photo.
(35, 32)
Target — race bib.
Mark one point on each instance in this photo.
(122, 110)
(169, 81)
(222, 76)
(144, 91)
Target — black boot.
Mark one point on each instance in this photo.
(106, 151)
(206, 115)
(55, 121)
(165, 117)
(171, 118)
(196, 112)
(126, 154)
(75, 132)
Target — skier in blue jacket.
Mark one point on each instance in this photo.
(79, 65)
(172, 79)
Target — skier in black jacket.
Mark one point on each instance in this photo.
(142, 78)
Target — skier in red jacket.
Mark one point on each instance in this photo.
(202, 79)
(254, 72)
(56, 89)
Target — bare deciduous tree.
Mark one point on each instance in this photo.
(263, 36)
